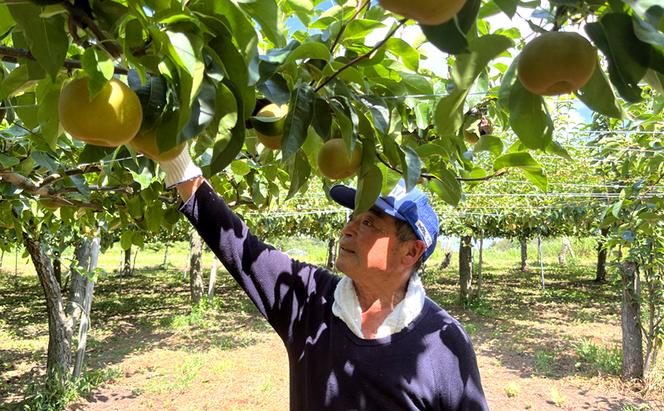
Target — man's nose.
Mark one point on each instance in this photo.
(350, 228)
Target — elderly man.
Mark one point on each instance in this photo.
(369, 340)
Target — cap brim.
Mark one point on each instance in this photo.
(343, 195)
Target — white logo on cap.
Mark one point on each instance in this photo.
(425, 233)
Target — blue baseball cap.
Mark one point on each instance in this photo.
(410, 206)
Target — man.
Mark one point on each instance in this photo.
(370, 340)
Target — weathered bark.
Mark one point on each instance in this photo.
(331, 253)
(524, 254)
(602, 251)
(465, 268)
(213, 279)
(632, 344)
(59, 358)
(126, 265)
(195, 272)
(57, 268)
(446, 260)
(87, 303)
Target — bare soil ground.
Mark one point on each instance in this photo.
(226, 357)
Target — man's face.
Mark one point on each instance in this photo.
(369, 244)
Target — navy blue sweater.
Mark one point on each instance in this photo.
(429, 365)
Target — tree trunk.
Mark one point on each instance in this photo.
(465, 268)
(213, 278)
(632, 344)
(602, 251)
(524, 254)
(541, 263)
(331, 253)
(2, 257)
(59, 358)
(446, 260)
(195, 272)
(133, 264)
(79, 280)
(87, 303)
(57, 268)
(126, 266)
(478, 289)
(566, 247)
(163, 263)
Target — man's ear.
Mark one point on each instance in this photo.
(415, 250)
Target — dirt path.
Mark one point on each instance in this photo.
(174, 376)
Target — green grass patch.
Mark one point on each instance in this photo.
(598, 359)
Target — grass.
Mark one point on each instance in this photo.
(571, 330)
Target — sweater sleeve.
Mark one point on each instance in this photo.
(278, 286)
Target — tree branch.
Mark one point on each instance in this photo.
(83, 20)
(363, 56)
(73, 203)
(51, 178)
(431, 176)
(12, 55)
(343, 27)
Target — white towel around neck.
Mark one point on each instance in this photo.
(347, 307)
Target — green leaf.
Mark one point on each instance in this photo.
(46, 37)
(412, 167)
(265, 12)
(313, 50)
(647, 32)
(450, 37)
(125, 240)
(300, 114)
(409, 55)
(152, 95)
(508, 6)
(628, 56)
(240, 168)
(99, 68)
(523, 160)
(559, 150)
(360, 28)
(275, 89)
(482, 50)
(48, 116)
(91, 154)
(368, 189)
(7, 162)
(598, 95)
(299, 171)
(448, 117)
(225, 152)
(529, 119)
(203, 109)
(489, 143)
(446, 186)
(322, 118)
(416, 84)
(509, 77)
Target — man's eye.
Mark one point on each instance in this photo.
(367, 222)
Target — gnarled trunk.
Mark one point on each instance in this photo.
(465, 268)
(195, 272)
(59, 356)
(632, 344)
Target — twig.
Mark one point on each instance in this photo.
(83, 20)
(363, 56)
(343, 27)
(12, 55)
(88, 168)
